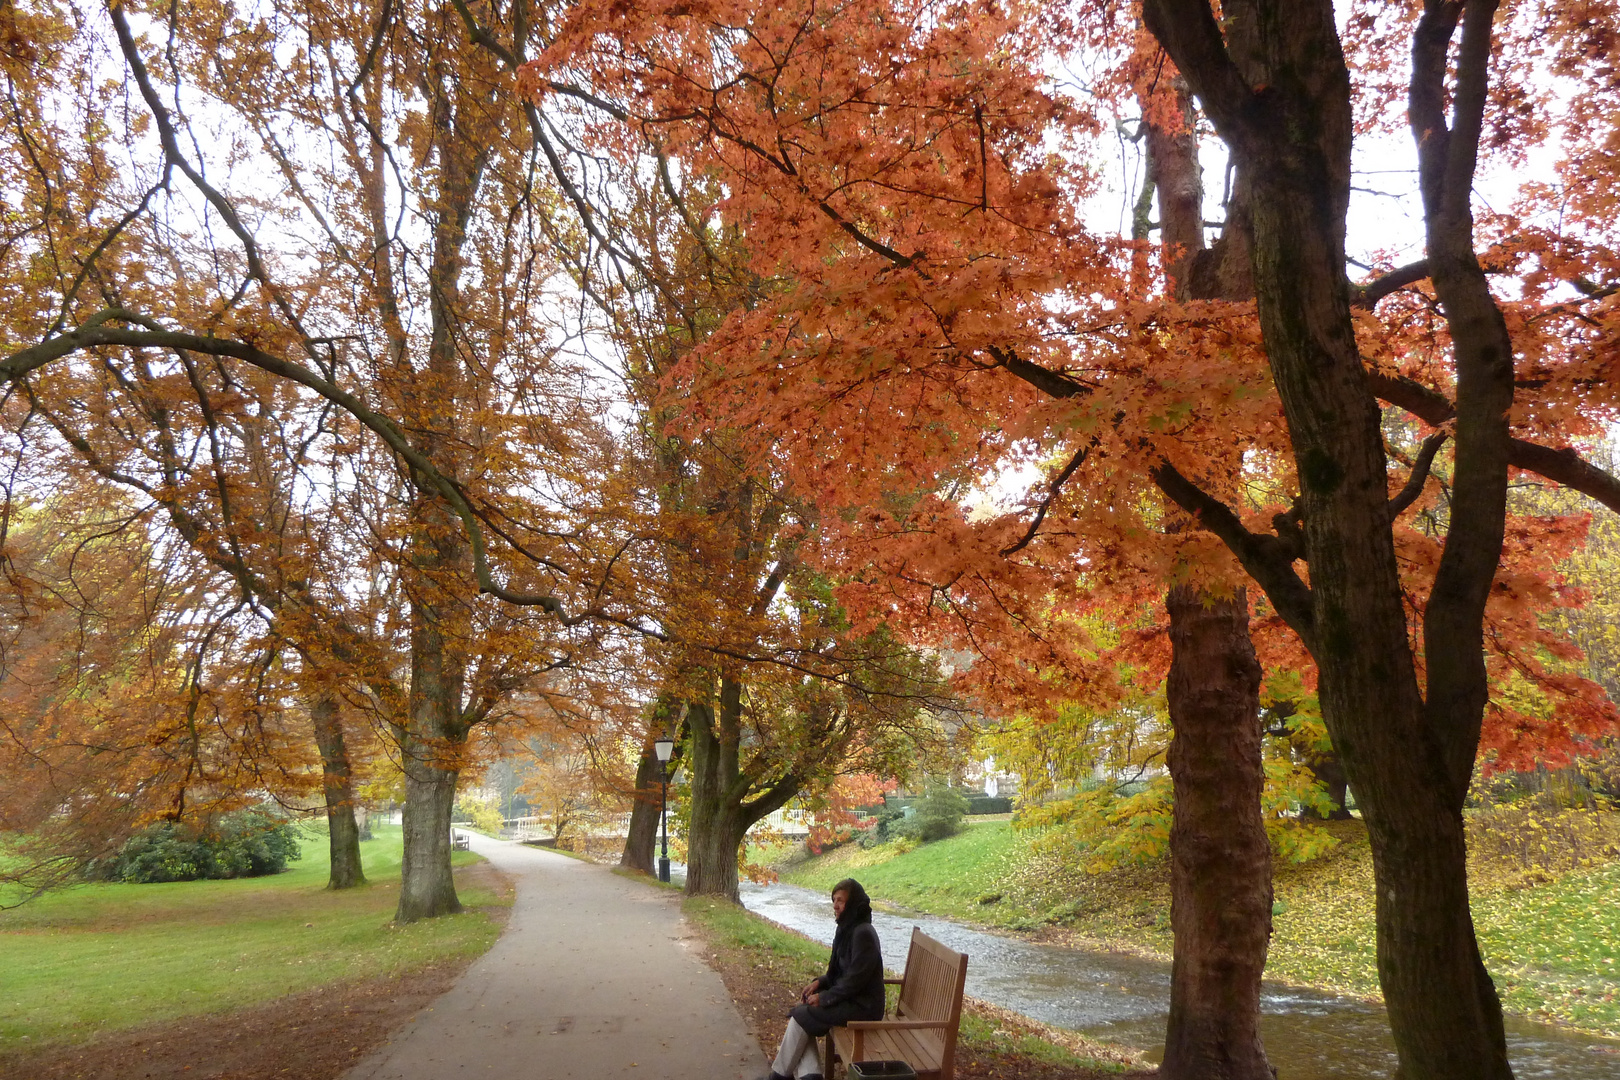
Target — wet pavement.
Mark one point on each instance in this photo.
(594, 976)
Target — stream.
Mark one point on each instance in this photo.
(1309, 1035)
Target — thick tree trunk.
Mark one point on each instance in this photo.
(430, 748)
(1273, 79)
(713, 835)
(641, 842)
(721, 811)
(338, 787)
(1426, 938)
(427, 888)
(712, 850)
(1443, 1008)
(1220, 858)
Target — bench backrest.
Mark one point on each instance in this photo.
(932, 989)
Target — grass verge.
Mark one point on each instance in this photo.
(1551, 939)
(100, 958)
(764, 965)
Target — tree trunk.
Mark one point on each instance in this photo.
(711, 850)
(641, 842)
(721, 812)
(1220, 858)
(1329, 772)
(430, 749)
(1272, 77)
(436, 733)
(427, 888)
(337, 783)
(713, 835)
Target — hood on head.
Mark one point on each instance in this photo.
(858, 907)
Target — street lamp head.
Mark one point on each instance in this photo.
(664, 747)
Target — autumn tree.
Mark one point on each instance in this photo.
(134, 688)
(767, 691)
(891, 164)
(370, 169)
(220, 471)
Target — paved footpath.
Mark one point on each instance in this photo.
(593, 977)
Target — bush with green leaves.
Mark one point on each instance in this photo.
(935, 816)
(481, 812)
(888, 819)
(245, 843)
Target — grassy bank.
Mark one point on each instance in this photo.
(1550, 937)
(764, 966)
(99, 958)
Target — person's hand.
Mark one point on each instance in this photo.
(808, 991)
(813, 999)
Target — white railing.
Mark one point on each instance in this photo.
(792, 823)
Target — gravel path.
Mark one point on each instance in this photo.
(592, 978)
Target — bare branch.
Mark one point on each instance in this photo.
(1420, 475)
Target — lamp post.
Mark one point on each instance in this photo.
(664, 747)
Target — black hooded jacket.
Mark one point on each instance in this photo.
(852, 989)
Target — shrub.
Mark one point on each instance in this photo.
(482, 813)
(938, 814)
(888, 819)
(246, 843)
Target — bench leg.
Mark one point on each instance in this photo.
(827, 1057)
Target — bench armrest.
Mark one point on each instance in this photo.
(894, 982)
(895, 1025)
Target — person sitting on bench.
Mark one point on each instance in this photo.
(852, 989)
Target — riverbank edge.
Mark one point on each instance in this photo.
(792, 872)
(764, 963)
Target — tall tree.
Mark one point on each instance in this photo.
(1220, 855)
(927, 251)
(402, 283)
(135, 688)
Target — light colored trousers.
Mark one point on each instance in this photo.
(797, 1056)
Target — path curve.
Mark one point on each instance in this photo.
(594, 976)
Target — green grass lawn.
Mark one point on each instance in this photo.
(1553, 946)
(948, 877)
(96, 958)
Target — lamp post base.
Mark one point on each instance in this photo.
(663, 868)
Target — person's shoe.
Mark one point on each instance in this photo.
(810, 1076)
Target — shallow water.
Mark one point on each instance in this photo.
(1308, 1035)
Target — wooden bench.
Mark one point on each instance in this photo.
(923, 1031)
(460, 841)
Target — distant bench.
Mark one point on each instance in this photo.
(460, 841)
(923, 1031)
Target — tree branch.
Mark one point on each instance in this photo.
(1560, 465)
(1268, 559)
(1367, 294)
(1051, 495)
(99, 331)
(1420, 475)
(1189, 33)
